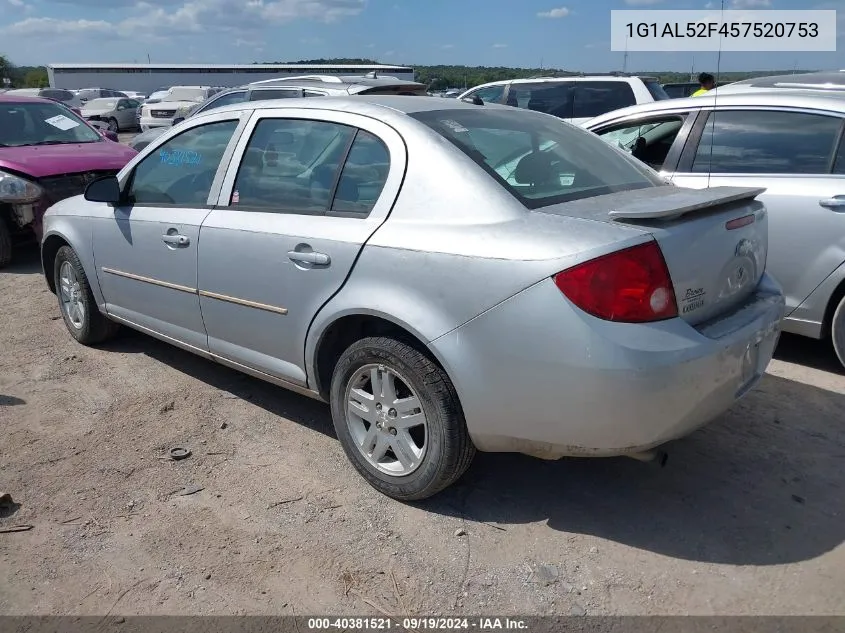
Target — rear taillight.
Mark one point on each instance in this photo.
(632, 285)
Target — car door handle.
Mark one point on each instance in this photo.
(836, 203)
(176, 240)
(310, 257)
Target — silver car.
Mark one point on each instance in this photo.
(788, 141)
(115, 114)
(446, 276)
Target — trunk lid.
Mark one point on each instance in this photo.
(714, 241)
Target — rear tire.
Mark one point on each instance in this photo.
(5, 243)
(837, 331)
(81, 315)
(435, 447)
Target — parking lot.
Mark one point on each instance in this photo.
(746, 518)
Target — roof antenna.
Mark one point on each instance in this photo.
(715, 99)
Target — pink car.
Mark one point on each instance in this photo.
(47, 153)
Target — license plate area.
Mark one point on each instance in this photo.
(755, 359)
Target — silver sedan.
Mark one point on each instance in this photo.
(447, 276)
(789, 142)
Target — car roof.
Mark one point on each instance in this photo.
(834, 102)
(5, 97)
(342, 83)
(364, 104)
(818, 79)
(574, 77)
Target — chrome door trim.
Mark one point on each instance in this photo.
(195, 291)
(243, 302)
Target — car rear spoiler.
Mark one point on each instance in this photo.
(683, 201)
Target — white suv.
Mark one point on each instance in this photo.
(573, 97)
(161, 112)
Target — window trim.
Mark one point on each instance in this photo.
(226, 204)
(127, 175)
(694, 140)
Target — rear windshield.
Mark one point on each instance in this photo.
(655, 89)
(537, 159)
(42, 124)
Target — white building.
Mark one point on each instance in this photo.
(148, 77)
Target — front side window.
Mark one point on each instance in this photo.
(291, 165)
(839, 161)
(42, 124)
(766, 142)
(182, 170)
(536, 159)
(647, 140)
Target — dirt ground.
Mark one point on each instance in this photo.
(748, 517)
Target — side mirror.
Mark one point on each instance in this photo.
(178, 120)
(112, 136)
(105, 189)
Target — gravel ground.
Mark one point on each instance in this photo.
(746, 518)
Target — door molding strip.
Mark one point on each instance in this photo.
(150, 280)
(202, 293)
(243, 302)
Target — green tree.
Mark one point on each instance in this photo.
(36, 78)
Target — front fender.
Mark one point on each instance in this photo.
(76, 232)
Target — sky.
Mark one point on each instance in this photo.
(569, 34)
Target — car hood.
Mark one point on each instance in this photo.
(49, 160)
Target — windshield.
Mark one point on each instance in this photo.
(42, 124)
(101, 104)
(541, 161)
(186, 94)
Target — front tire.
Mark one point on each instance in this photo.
(837, 331)
(114, 126)
(79, 309)
(398, 418)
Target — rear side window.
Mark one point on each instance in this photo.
(593, 98)
(655, 90)
(766, 142)
(224, 100)
(839, 162)
(58, 95)
(291, 165)
(363, 175)
(546, 97)
(258, 95)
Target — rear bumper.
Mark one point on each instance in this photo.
(536, 375)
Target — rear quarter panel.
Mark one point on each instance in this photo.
(455, 245)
